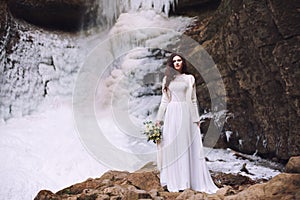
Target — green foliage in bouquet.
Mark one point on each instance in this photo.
(153, 131)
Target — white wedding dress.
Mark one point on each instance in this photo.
(181, 160)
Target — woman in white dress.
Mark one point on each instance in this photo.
(180, 152)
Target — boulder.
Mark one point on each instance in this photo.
(46, 195)
(283, 186)
(145, 181)
(293, 166)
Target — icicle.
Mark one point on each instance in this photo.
(241, 143)
(110, 10)
(255, 153)
(228, 134)
(265, 143)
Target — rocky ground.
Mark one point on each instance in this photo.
(144, 184)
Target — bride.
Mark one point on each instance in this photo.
(180, 157)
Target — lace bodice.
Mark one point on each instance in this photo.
(181, 89)
(178, 88)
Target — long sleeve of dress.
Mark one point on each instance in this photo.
(163, 104)
(194, 101)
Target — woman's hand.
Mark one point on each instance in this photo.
(159, 123)
(157, 142)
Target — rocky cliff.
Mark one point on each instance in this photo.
(255, 45)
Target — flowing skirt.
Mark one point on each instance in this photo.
(180, 154)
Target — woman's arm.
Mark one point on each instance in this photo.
(195, 111)
(163, 103)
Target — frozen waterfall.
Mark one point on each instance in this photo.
(40, 65)
(40, 145)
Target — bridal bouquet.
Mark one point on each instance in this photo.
(153, 131)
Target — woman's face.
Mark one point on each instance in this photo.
(177, 63)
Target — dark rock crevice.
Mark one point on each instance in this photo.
(194, 8)
(66, 15)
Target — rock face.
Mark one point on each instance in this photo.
(255, 45)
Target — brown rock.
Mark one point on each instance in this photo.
(186, 194)
(80, 187)
(224, 191)
(145, 181)
(169, 195)
(153, 193)
(213, 197)
(282, 186)
(233, 180)
(102, 197)
(115, 191)
(293, 166)
(284, 17)
(47, 195)
(115, 176)
(199, 196)
(87, 196)
(134, 193)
